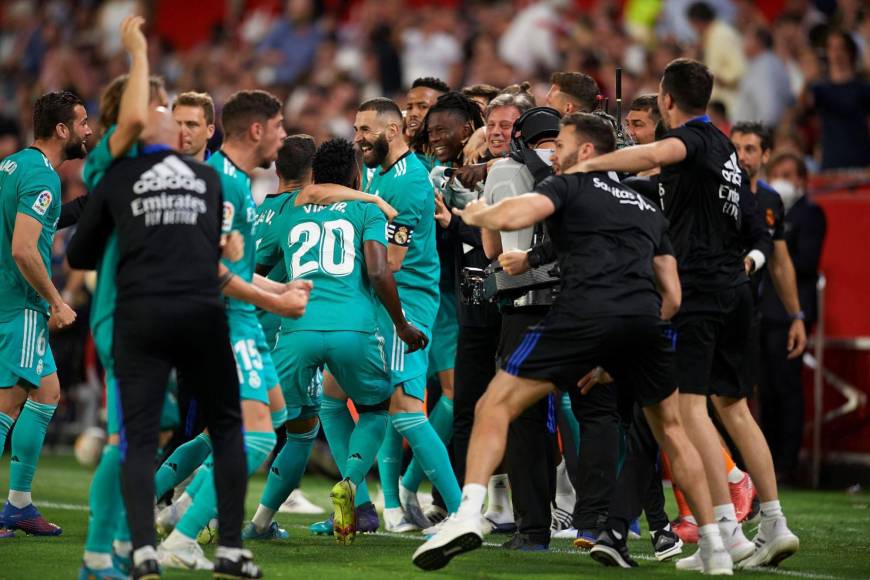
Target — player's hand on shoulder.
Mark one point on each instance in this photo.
(412, 336)
(475, 147)
(61, 315)
(514, 262)
(233, 246)
(469, 175)
(294, 300)
(131, 34)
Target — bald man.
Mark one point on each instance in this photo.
(166, 210)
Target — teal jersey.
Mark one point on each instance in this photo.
(428, 161)
(268, 254)
(406, 187)
(324, 244)
(28, 185)
(97, 163)
(239, 214)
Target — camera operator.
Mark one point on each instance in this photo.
(531, 453)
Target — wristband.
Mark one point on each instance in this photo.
(799, 315)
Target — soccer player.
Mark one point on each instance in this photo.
(572, 91)
(333, 246)
(253, 131)
(394, 173)
(30, 194)
(702, 197)
(194, 113)
(420, 98)
(613, 253)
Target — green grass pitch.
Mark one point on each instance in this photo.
(834, 529)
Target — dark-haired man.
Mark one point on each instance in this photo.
(702, 192)
(342, 249)
(642, 119)
(396, 174)
(295, 171)
(613, 253)
(422, 95)
(572, 91)
(30, 194)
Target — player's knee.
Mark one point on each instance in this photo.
(301, 425)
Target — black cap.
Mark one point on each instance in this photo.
(537, 124)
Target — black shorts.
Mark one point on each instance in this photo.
(635, 350)
(752, 354)
(712, 341)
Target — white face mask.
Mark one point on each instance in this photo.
(787, 191)
(546, 155)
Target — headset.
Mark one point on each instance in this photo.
(531, 127)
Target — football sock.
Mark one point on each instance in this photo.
(27, 442)
(771, 509)
(338, 426)
(571, 420)
(287, 469)
(441, 419)
(258, 445)
(473, 495)
(432, 454)
(389, 465)
(6, 423)
(181, 463)
(710, 533)
(500, 508)
(363, 446)
(105, 502)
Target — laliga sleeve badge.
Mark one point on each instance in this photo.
(769, 217)
(42, 203)
(229, 214)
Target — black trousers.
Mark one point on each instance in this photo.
(781, 397)
(639, 486)
(597, 464)
(475, 366)
(152, 336)
(531, 457)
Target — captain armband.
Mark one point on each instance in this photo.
(399, 235)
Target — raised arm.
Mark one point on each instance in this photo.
(326, 193)
(133, 109)
(635, 159)
(510, 214)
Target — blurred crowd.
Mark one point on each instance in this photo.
(797, 66)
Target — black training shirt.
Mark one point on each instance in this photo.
(166, 211)
(701, 197)
(606, 236)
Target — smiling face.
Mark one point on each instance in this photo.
(370, 137)
(499, 126)
(447, 135)
(419, 100)
(641, 127)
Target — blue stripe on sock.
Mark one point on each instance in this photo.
(521, 354)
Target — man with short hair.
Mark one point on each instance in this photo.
(722, 51)
(194, 113)
(703, 193)
(781, 392)
(642, 119)
(422, 95)
(614, 254)
(334, 246)
(764, 93)
(394, 173)
(481, 94)
(30, 200)
(572, 91)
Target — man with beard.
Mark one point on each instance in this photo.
(394, 173)
(194, 113)
(30, 193)
(423, 94)
(703, 195)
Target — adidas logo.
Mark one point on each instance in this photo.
(172, 466)
(356, 456)
(275, 471)
(731, 171)
(15, 459)
(171, 173)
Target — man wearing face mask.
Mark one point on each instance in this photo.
(531, 454)
(781, 395)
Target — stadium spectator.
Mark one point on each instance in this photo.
(722, 51)
(765, 89)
